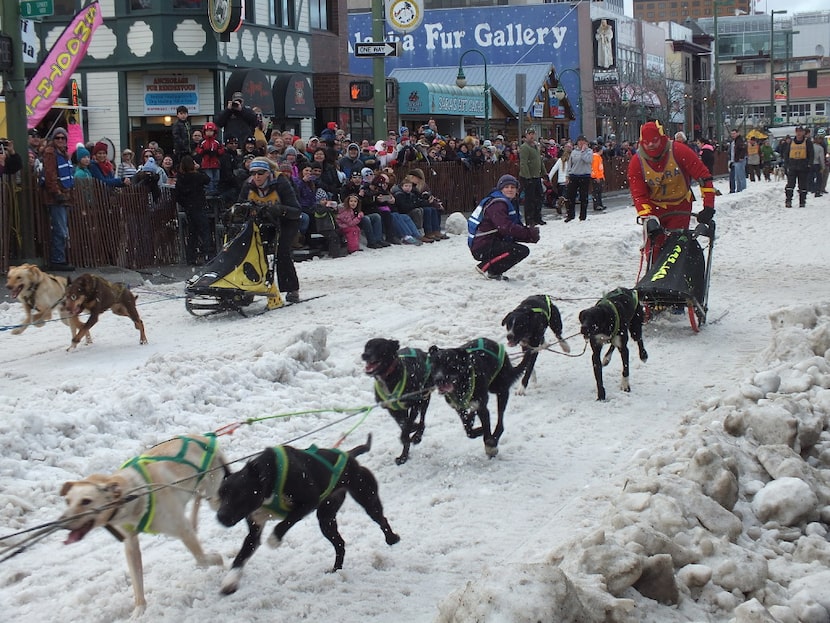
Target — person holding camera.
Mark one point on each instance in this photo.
(237, 119)
(10, 161)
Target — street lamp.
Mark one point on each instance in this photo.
(790, 34)
(560, 92)
(461, 81)
(718, 94)
(772, 15)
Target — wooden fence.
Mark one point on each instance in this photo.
(107, 227)
(127, 227)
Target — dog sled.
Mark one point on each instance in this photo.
(242, 271)
(678, 277)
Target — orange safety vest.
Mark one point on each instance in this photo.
(597, 167)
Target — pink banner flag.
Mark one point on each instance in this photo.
(56, 69)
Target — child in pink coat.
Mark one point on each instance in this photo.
(348, 220)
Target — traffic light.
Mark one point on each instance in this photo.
(812, 78)
(361, 91)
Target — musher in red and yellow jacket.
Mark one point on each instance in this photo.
(660, 176)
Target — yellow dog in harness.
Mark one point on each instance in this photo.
(139, 463)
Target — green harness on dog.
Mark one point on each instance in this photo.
(464, 403)
(392, 399)
(278, 504)
(606, 301)
(140, 463)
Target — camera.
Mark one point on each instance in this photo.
(236, 105)
(4, 145)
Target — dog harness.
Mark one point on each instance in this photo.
(393, 399)
(545, 311)
(606, 300)
(464, 403)
(140, 463)
(30, 297)
(278, 504)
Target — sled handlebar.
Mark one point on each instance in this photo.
(652, 228)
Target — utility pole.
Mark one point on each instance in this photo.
(15, 86)
(379, 71)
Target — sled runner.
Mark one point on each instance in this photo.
(678, 276)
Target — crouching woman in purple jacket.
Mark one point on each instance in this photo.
(495, 229)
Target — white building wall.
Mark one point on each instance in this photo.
(102, 90)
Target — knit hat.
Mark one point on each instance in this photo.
(506, 180)
(149, 164)
(259, 163)
(403, 129)
(651, 131)
(59, 132)
(366, 173)
(290, 151)
(331, 125)
(81, 151)
(353, 146)
(100, 146)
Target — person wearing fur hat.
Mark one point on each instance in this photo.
(660, 175)
(495, 230)
(275, 196)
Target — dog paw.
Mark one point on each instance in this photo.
(624, 385)
(564, 346)
(521, 390)
(138, 612)
(491, 450)
(392, 538)
(17, 331)
(401, 460)
(274, 541)
(211, 560)
(231, 581)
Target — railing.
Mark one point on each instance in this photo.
(127, 227)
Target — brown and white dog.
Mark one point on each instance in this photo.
(41, 294)
(96, 295)
(149, 494)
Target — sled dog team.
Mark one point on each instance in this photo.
(149, 493)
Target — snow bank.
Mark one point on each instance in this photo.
(728, 521)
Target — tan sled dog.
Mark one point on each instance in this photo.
(149, 494)
(41, 294)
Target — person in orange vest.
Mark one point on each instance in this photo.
(660, 176)
(598, 178)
